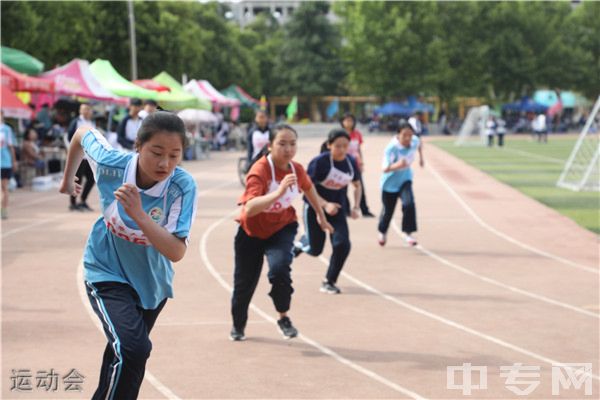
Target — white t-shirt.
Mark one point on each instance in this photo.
(132, 127)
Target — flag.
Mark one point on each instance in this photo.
(333, 108)
(263, 103)
(292, 108)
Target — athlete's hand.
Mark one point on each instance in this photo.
(355, 213)
(129, 198)
(288, 181)
(332, 208)
(421, 162)
(70, 187)
(325, 226)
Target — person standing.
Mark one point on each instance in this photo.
(258, 135)
(268, 226)
(150, 107)
(148, 206)
(348, 122)
(8, 161)
(129, 126)
(490, 130)
(84, 172)
(396, 182)
(332, 171)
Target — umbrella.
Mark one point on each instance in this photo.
(21, 61)
(195, 116)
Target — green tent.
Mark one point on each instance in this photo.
(21, 61)
(167, 80)
(113, 81)
(235, 92)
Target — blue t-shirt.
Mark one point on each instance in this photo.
(117, 250)
(393, 181)
(319, 169)
(7, 139)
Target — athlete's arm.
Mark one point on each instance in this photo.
(421, 159)
(357, 195)
(164, 241)
(400, 164)
(258, 204)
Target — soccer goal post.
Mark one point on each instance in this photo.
(582, 172)
(472, 131)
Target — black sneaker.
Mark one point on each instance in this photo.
(297, 250)
(237, 335)
(286, 328)
(330, 288)
(84, 207)
(368, 214)
(74, 207)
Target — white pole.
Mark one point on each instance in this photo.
(132, 40)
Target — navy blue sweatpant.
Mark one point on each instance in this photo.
(249, 256)
(127, 327)
(314, 240)
(409, 213)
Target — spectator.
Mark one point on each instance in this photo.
(8, 161)
(150, 107)
(32, 158)
(84, 170)
(129, 126)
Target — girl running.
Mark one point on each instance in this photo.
(268, 227)
(148, 206)
(397, 182)
(333, 170)
(355, 150)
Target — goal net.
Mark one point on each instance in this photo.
(582, 170)
(472, 131)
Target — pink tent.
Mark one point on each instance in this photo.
(204, 90)
(75, 79)
(19, 82)
(12, 106)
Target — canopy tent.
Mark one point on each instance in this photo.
(21, 61)
(549, 98)
(204, 90)
(526, 104)
(18, 82)
(405, 109)
(167, 80)
(12, 106)
(236, 92)
(108, 75)
(151, 85)
(76, 79)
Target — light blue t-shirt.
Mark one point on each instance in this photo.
(7, 139)
(393, 181)
(117, 250)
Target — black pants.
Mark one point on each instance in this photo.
(249, 255)
(364, 208)
(314, 240)
(126, 327)
(84, 171)
(409, 213)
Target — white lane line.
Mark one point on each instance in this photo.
(451, 323)
(498, 283)
(32, 225)
(325, 350)
(504, 236)
(538, 156)
(161, 387)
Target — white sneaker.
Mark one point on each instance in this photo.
(381, 239)
(410, 241)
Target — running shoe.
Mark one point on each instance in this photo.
(74, 207)
(410, 241)
(286, 328)
(84, 207)
(381, 239)
(237, 335)
(297, 250)
(368, 214)
(330, 288)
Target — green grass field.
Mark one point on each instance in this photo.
(533, 169)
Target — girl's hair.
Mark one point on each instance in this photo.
(272, 135)
(348, 115)
(161, 121)
(334, 134)
(405, 125)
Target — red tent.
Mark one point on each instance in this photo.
(19, 82)
(12, 106)
(151, 85)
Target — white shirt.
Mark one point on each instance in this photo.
(132, 127)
